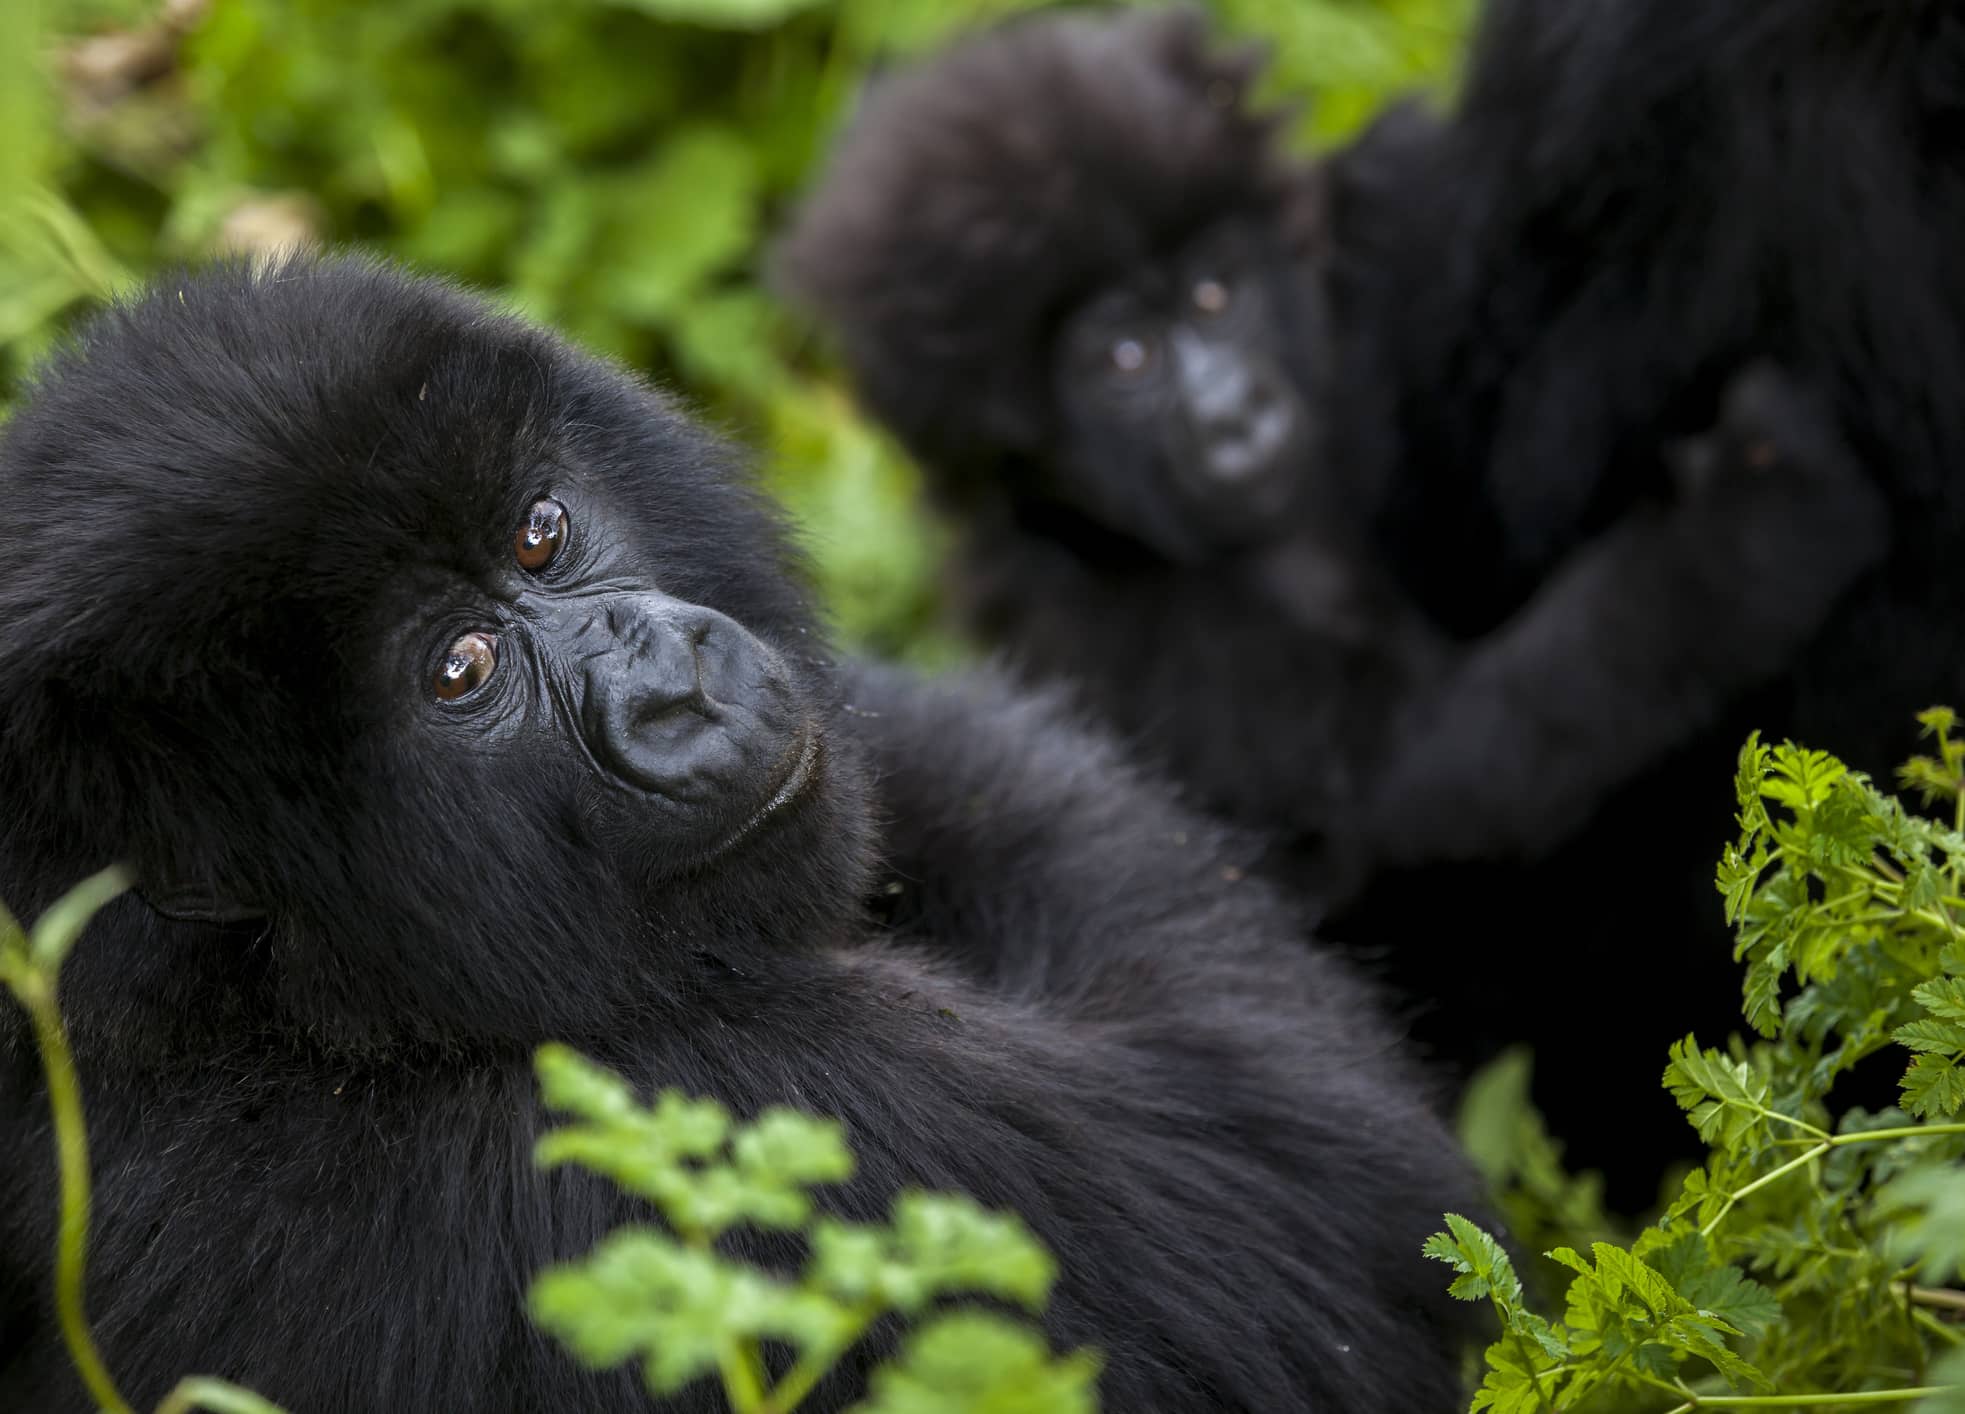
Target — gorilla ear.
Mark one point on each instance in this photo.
(195, 903)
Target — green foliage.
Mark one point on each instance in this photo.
(1807, 1262)
(612, 166)
(687, 1311)
(973, 1364)
(1503, 1134)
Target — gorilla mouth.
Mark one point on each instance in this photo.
(802, 765)
(1256, 452)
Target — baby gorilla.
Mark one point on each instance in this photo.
(1071, 271)
(448, 692)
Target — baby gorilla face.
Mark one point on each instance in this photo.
(1185, 422)
(667, 699)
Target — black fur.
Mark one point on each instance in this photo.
(1289, 680)
(1632, 199)
(240, 505)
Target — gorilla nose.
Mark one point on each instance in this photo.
(1253, 439)
(684, 701)
(1242, 412)
(662, 646)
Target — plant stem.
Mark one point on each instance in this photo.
(1792, 1164)
(1528, 1363)
(811, 1367)
(1902, 1131)
(1868, 1136)
(37, 994)
(1931, 1325)
(1938, 1296)
(217, 1396)
(1808, 1401)
(742, 1381)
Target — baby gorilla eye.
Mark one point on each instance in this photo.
(542, 536)
(1129, 355)
(466, 667)
(1210, 296)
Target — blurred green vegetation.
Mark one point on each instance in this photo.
(610, 166)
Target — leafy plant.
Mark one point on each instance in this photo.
(30, 967)
(670, 1299)
(1805, 1263)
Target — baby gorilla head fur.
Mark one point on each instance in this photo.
(1058, 265)
(439, 569)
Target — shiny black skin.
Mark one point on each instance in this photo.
(1632, 199)
(262, 510)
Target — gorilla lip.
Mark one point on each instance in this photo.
(804, 764)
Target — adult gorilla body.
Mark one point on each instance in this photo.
(1632, 199)
(1087, 317)
(1636, 206)
(447, 693)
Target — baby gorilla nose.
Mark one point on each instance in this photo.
(686, 703)
(1252, 441)
(1240, 412)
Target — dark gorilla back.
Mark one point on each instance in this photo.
(450, 692)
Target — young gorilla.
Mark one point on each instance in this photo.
(447, 693)
(1066, 266)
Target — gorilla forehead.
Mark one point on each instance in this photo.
(300, 435)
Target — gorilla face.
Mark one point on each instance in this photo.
(674, 704)
(1185, 392)
(384, 622)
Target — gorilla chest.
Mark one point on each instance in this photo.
(336, 1242)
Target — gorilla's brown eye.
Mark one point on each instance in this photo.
(1210, 296)
(466, 666)
(1129, 355)
(542, 536)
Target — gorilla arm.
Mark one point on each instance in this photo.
(1637, 642)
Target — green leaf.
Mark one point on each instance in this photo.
(1517, 1379)
(972, 1363)
(935, 1244)
(1932, 1035)
(1942, 996)
(1716, 1288)
(1486, 1271)
(1726, 1099)
(1925, 1208)
(1949, 1375)
(1801, 779)
(790, 1147)
(642, 1293)
(1934, 1088)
